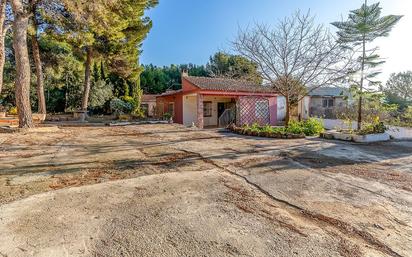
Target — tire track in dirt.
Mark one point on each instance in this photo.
(320, 219)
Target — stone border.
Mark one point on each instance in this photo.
(382, 137)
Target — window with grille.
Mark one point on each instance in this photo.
(328, 102)
(261, 109)
(207, 109)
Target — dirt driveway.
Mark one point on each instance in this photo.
(165, 190)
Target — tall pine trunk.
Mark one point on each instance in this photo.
(38, 65)
(87, 78)
(3, 31)
(20, 26)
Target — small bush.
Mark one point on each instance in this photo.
(120, 107)
(368, 129)
(295, 127)
(167, 116)
(312, 127)
(13, 111)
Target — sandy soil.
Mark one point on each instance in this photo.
(164, 190)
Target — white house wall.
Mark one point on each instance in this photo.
(189, 110)
(303, 107)
(281, 105)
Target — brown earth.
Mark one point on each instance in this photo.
(165, 190)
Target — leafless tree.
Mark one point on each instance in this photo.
(293, 53)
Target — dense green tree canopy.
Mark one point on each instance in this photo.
(398, 89)
(112, 31)
(156, 80)
(233, 66)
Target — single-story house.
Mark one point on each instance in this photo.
(148, 105)
(324, 102)
(216, 102)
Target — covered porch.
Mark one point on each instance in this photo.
(219, 109)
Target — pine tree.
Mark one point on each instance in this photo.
(37, 58)
(102, 72)
(114, 29)
(21, 54)
(96, 73)
(363, 26)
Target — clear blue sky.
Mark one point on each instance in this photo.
(189, 31)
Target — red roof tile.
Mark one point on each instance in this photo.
(149, 98)
(230, 85)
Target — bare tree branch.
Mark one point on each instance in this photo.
(296, 56)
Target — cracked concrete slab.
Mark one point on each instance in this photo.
(165, 190)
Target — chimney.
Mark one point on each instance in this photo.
(185, 73)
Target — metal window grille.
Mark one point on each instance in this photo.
(252, 110)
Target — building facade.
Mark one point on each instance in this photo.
(217, 102)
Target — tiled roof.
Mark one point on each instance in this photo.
(149, 98)
(329, 91)
(230, 85)
(171, 92)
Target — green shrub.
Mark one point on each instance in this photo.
(312, 127)
(377, 128)
(100, 93)
(295, 127)
(120, 107)
(167, 116)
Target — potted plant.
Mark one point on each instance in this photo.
(169, 117)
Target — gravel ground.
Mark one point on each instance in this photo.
(164, 190)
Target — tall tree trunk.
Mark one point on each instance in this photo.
(20, 25)
(3, 31)
(87, 78)
(38, 65)
(362, 81)
(287, 117)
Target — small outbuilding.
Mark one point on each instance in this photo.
(148, 105)
(217, 102)
(324, 102)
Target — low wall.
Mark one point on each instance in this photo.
(338, 124)
(393, 131)
(400, 132)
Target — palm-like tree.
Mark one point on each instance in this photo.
(363, 26)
